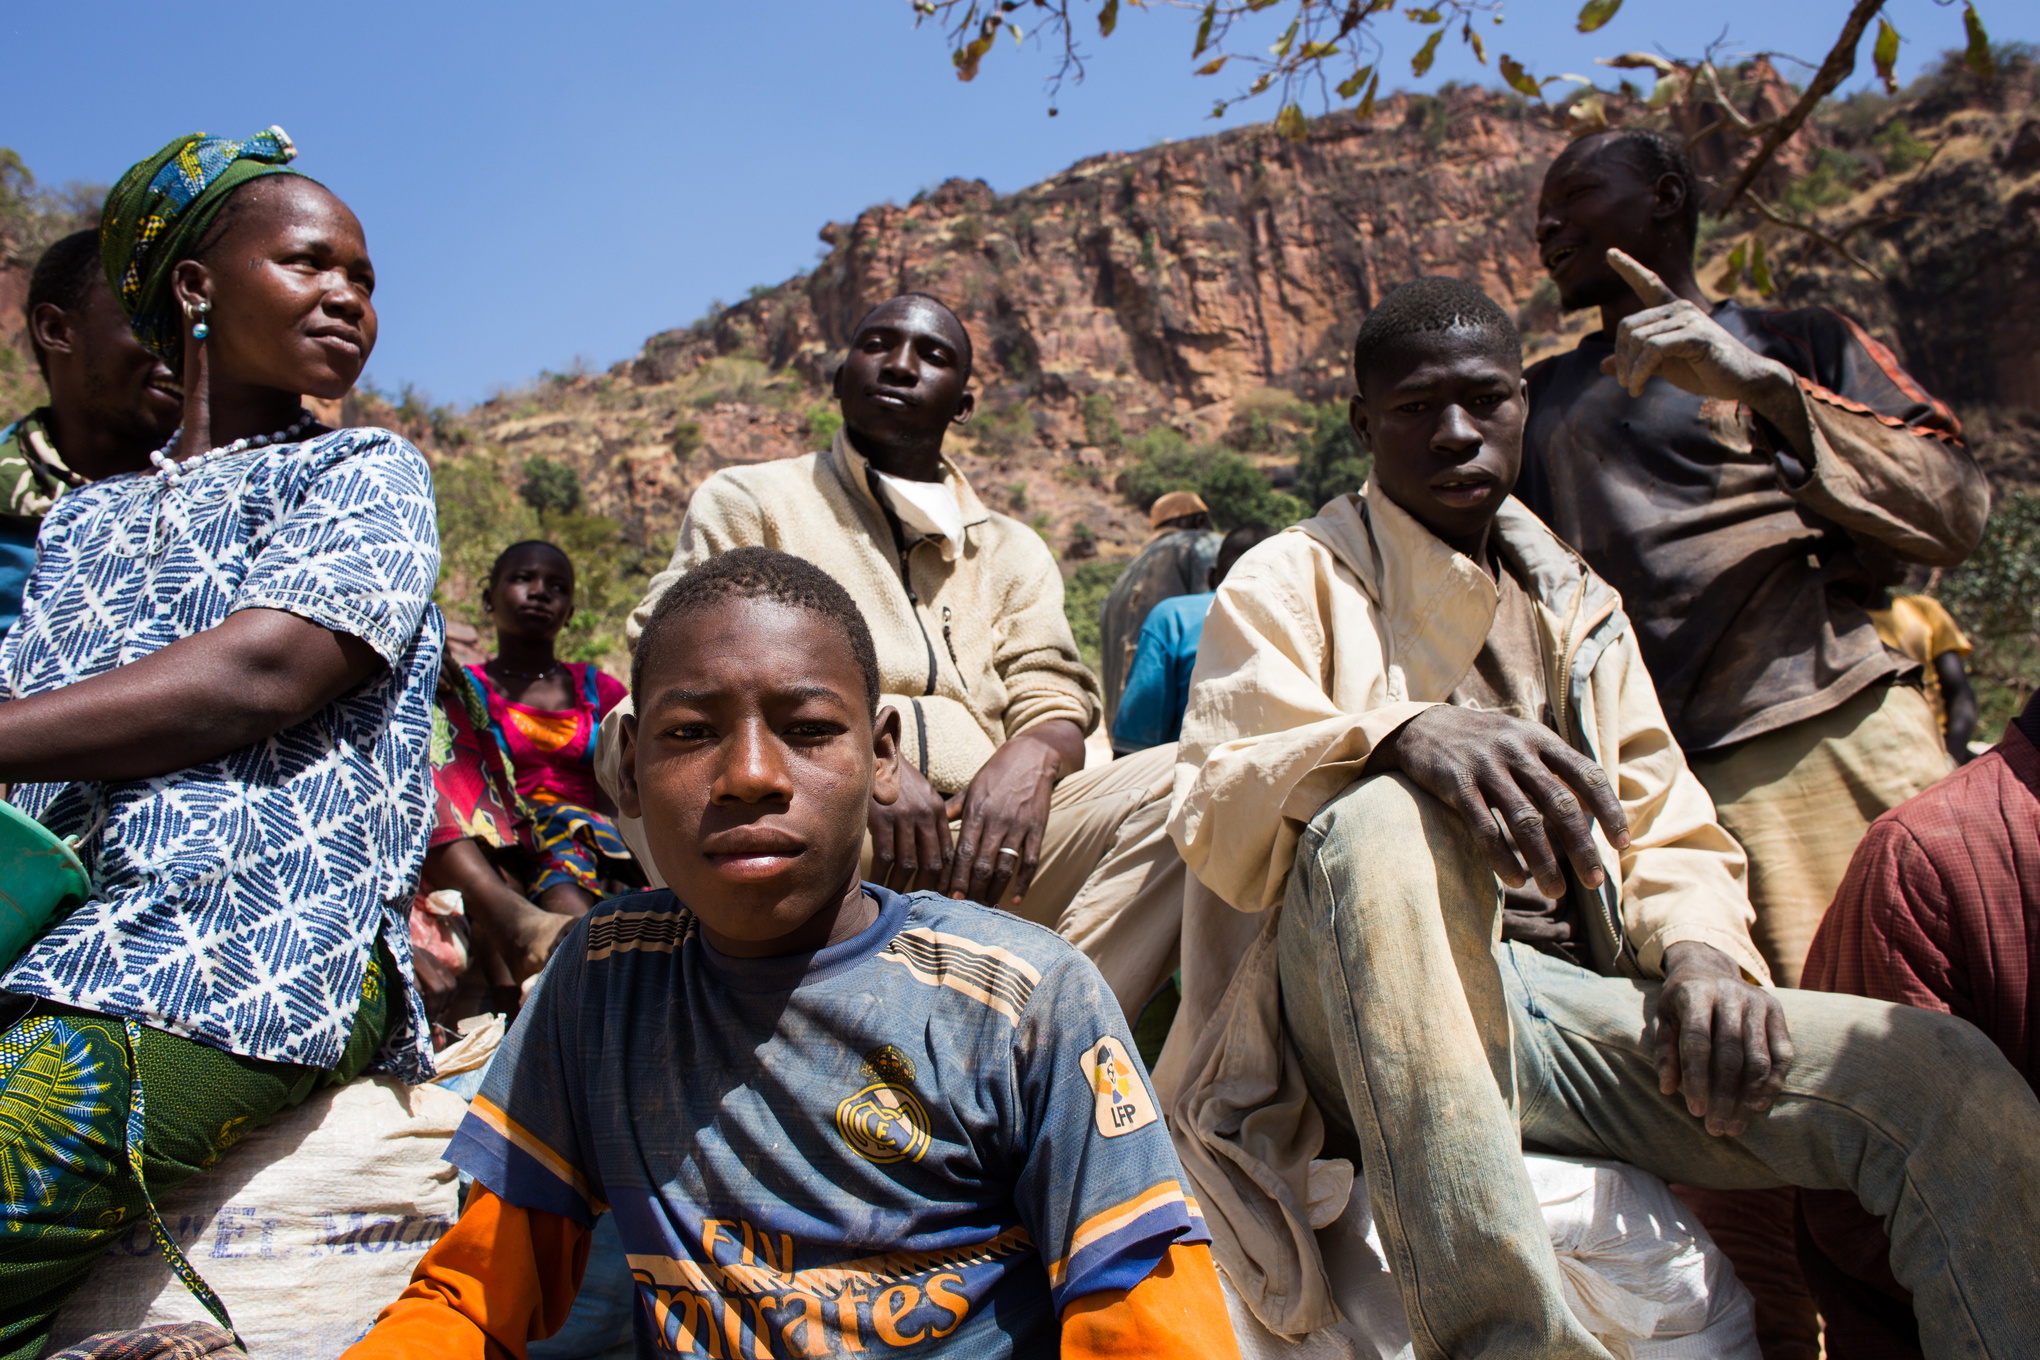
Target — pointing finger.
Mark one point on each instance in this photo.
(1648, 286)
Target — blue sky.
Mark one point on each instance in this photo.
(542, 182)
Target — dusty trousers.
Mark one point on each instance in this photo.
(1800, 798)
(1109, 880)
(1445, 1053)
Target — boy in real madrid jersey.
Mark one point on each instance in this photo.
(830, 1119)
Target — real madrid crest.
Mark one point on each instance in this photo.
(885, 1122)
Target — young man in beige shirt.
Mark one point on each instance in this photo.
(966, 611)
(1498, 911)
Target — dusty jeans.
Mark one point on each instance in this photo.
(1445, 1052)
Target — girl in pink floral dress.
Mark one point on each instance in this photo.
(546, 712)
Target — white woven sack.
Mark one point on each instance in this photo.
(1637, 1267)
(306, 1228)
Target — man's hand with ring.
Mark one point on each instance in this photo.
(1005, 813)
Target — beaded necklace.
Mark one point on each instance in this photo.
(173, 470)
(507, 673)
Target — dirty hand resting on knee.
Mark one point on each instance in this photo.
(1001, 820)
(1720, 1041)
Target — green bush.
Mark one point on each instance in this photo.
(1902, 148)
(1007, 432)
(733, 378)
(1237, 491)
(550, 486)
(1995, 596)
(821, 424)
(610, 576)
(481, 512)
(686, 439)
(1265, 421)
(1083, 597)
(1330, 461)
(1832, 180)
(1101, 422)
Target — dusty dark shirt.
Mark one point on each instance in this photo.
(1736, 561)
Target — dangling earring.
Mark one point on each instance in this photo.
(195, 312)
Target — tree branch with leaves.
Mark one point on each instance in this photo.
(1339, 49)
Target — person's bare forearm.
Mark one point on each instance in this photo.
(259, 672)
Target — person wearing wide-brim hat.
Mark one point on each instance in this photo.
(221, 686)
(1176, 560)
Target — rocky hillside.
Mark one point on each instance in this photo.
(1210, 288)
(1195, 283)
(1174, 286)
(1943, 191)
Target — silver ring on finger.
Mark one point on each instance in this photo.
(1004, 851)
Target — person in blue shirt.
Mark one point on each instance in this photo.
(1158, 685)
(826, 1116)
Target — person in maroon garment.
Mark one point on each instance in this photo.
(1940, 909)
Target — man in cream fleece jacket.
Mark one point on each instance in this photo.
(1404, 705)
(966, 610)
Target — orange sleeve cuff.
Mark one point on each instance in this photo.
(501, 1279)
(1177, 1311)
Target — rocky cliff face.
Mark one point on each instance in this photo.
(1153, 287)
(1952, 231)
(1179, 284)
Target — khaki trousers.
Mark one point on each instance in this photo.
(1109, 879)
(1800, 798)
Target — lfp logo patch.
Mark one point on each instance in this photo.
(1121, 1101)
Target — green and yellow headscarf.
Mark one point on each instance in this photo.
(161, 208)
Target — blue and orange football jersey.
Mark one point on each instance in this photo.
(930, 1137)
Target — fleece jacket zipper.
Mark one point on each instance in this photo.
(914, 607)
(914, 603)
(950, 643)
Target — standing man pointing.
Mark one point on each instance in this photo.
(1725, 468)
(1729, 470)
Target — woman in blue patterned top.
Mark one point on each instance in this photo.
(221, 683)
